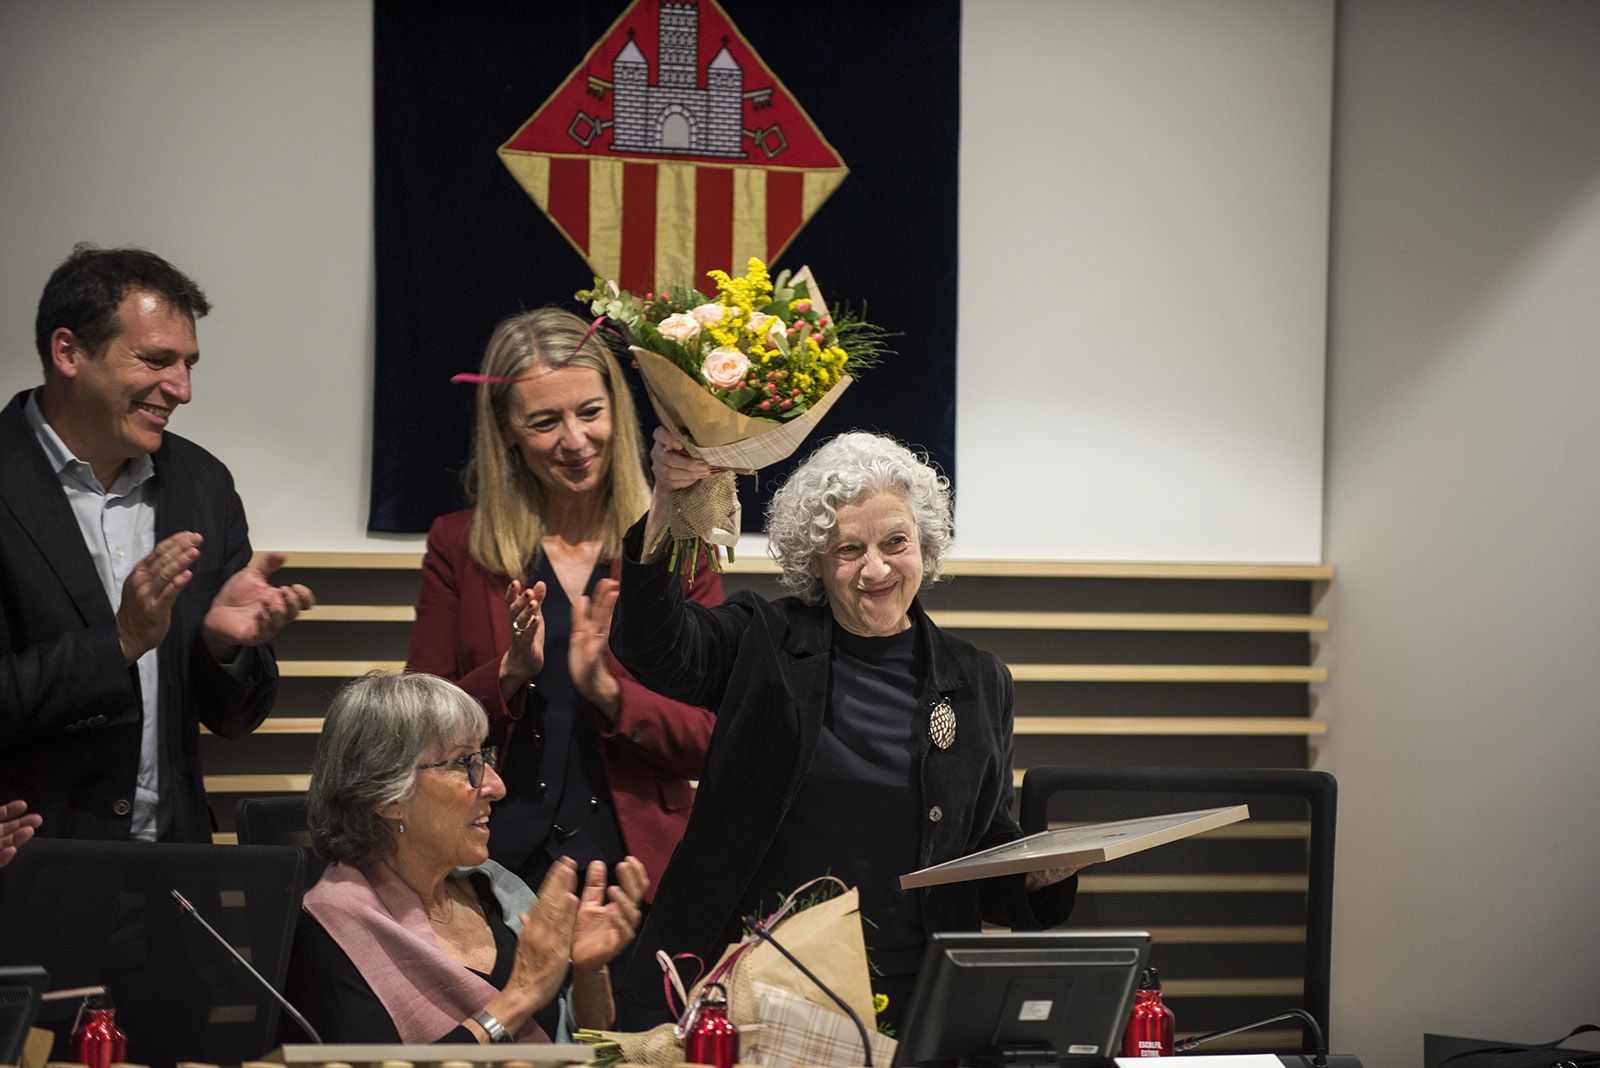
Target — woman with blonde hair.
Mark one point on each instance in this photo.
(596, 766)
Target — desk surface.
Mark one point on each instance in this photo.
(347, 1053)
(1242, 1060)
(1435, 1048)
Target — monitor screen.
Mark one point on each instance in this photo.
(1043, 997)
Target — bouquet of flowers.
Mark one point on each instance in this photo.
(784, 1017)
(742, 376)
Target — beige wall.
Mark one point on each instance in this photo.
(1144, 191)
(234, 138)
(1463, 501)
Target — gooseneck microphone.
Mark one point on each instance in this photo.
(294, 1014)
(1319, 1058)
(866, 1046)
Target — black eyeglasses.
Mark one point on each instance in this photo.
(474, 763)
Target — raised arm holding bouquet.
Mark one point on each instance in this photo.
(741, 377)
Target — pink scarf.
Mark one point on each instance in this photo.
(380, 924)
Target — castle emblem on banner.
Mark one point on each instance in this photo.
(672, 149)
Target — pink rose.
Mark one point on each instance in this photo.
(707, 314)
(679, 327)
(725, 367)
(766, 327)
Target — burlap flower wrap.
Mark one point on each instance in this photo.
(741, 444)
(784, 1018)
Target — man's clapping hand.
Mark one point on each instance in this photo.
(17, 825)
(249, 610)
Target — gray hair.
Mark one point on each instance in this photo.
(374, 736)
(805, 510)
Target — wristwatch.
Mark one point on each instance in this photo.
(494, 1028)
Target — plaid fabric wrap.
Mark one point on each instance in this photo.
(795, 1031)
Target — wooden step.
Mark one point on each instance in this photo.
(1194, 883)
(1170, 725)
(257, 784)
(760, 564)
(1287, 987)
(335, 669)
(1167, 673)
(359, 613)
(1253, 829)
(1238, 622)
(349, 669)
(1221, 726)
(1208, 622)
(1223, 935)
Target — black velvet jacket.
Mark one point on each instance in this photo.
(762, 667)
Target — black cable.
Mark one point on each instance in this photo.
(1319, 1057)
(866, 1045)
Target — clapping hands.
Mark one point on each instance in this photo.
(586, 650)
(249, 610)
(544, 944)
(524, 657)
(561, 930)
(608, 917)
(17, 825)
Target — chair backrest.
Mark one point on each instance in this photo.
(102, 913)
(278, 820)
(1242, 917)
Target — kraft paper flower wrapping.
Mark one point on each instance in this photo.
(778, 1011)
(723, 438)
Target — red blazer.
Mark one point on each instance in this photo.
(650, 753)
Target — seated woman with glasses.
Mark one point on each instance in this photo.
(413, 934)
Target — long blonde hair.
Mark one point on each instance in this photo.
(508, 525)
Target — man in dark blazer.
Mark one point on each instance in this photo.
(129, 611)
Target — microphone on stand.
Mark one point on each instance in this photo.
(294, 1014)
(1319, 1058)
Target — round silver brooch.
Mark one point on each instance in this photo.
(942, 725)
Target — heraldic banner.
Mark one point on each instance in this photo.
(524, 148)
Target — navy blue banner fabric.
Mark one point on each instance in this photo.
(460, 244)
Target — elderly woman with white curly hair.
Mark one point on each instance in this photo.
(854, 737)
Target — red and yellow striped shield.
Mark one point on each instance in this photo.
(672, 149)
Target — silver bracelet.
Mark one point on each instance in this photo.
(494, 1028)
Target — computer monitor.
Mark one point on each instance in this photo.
(1038, 998)
(20, 987)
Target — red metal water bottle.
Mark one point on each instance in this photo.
(713, 1039)
(98, 1041)
(1149, 1032)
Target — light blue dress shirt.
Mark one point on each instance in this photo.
(119, 528)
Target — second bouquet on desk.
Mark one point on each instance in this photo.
(742, 376)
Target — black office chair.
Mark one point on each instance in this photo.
(279, 820)
(97, 913)
(1243, 916)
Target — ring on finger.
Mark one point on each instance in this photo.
(518, 629)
